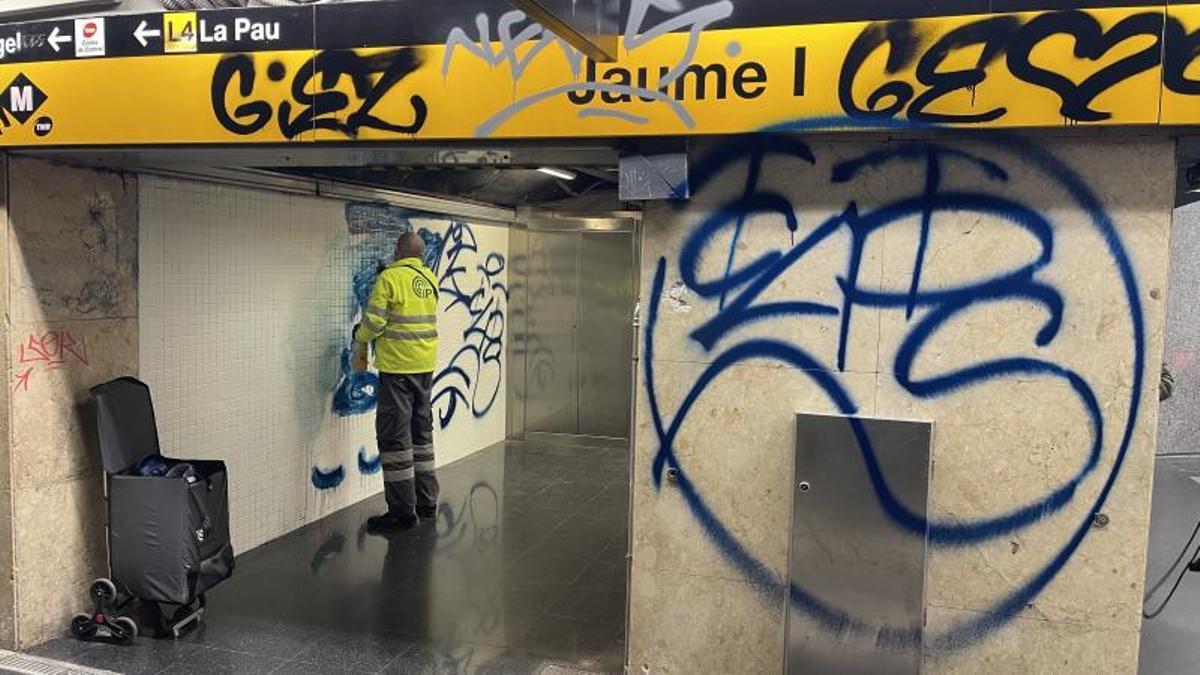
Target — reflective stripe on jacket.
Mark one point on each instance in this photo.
(401, 318)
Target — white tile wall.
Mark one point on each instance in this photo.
(245, 305)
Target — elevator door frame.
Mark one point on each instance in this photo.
(622, 223)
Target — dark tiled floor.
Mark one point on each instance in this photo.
(523, 570)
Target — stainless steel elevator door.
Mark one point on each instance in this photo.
(576, 341)
(605, 333)
(552, 384)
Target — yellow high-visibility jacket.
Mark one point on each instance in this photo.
(401, 318)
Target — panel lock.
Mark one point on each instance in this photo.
(804, 486)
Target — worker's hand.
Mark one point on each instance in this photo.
(359, 359)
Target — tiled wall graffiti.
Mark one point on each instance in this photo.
(473, 300)
(249, 299)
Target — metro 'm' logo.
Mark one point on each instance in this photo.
(22, 98)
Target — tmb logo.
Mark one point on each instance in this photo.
(22, 98)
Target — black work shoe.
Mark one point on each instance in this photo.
(427, 511)
(391, 523)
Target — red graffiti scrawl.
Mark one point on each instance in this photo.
(49, 351)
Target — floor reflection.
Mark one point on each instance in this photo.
(523, 571)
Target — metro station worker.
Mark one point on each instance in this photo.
(400, 319)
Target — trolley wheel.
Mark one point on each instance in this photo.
(83, 627)
(103, 592)
(123, 628)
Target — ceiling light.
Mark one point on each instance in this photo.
(557, 173)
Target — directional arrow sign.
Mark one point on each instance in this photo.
(56, 38)
(144, 31)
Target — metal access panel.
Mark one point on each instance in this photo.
(850, 561)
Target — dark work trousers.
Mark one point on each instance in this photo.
(404, 431)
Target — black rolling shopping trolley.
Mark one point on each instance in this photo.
(168, 525)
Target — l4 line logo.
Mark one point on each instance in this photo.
(22, 99)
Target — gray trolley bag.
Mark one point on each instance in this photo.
(168, 536)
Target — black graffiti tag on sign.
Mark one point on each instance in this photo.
(316, 102)
(1012, 40)
(1181, 49)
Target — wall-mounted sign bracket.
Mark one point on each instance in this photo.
(588, 25)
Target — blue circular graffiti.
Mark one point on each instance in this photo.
(738, 289)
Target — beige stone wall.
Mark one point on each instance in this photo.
(708, 582)
(8, 630)
(71, 253)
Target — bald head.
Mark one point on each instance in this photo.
(410, 245)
